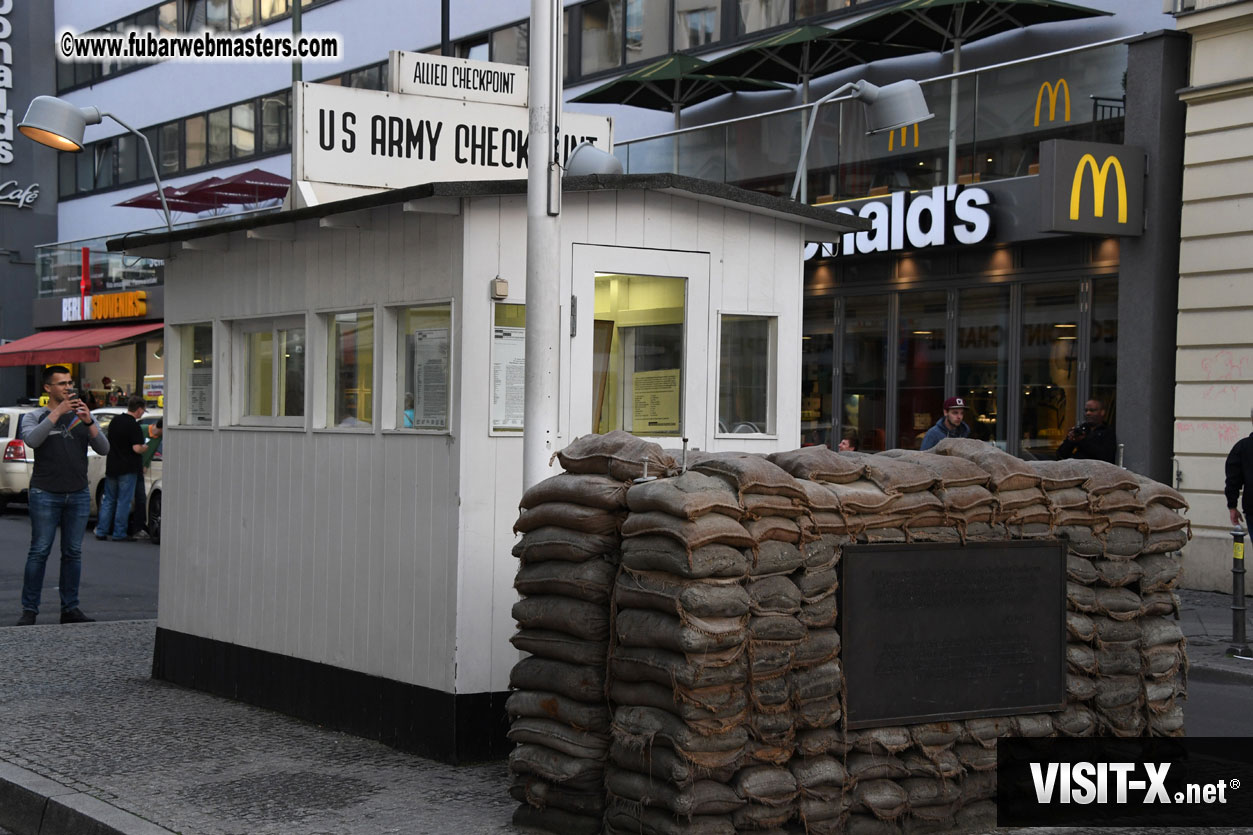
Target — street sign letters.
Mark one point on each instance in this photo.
(1091, 188)
(415, 73)
(912, 220)
(389, 140)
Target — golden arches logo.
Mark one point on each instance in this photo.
(1099, 176)
(904, 137)
(1060, 87)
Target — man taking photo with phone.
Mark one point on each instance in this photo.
(58, 496)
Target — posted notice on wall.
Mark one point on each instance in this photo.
(200, 397)
(655, 402)
(428, 357)
(508, 378)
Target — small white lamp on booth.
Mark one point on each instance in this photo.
(587, 159)
(59, 124)
(888, 107)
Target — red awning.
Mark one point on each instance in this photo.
(69, 344)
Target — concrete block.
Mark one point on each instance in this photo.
(23, 796)
(82, 814)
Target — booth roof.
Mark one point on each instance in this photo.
(691, 187)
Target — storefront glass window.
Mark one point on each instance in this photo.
(425, 365)
(746, 375)
(864, 364)
(638, 362)
(220, 135)
(194, 131)
(921, 341)
(817, 358)
(351, 372)
(647, 34)
(602, 35)
(275, 113)
(1104, 359)
(696, 22)
(1050, 365)
(260, 374)
(509, 45)
(243, 129)
(983, 361)
(274, 363)
(197, 394)
(166, 150)
(762, 14)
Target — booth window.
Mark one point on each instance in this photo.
(351, 369)
(637, 369)
(425, 365)
(197, 375)
(747, 359)
(274, 370)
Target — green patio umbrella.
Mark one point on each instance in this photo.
(671, 84)
(940, 25)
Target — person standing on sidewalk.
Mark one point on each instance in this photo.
(123, 469)
(952, 424)
(58, 497)
(1093, 439)
(1240, 477)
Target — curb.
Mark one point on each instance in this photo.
(1217, 671)
(31, 804)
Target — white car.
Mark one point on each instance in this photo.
(96, 462)
(19, 459)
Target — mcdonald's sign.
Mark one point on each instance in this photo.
(904, 136)
(1091, 188)
(1061, 87)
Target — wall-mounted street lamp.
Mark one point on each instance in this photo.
(59, 124)
(887, 108)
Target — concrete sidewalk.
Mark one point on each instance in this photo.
(91, 745)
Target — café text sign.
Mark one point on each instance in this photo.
(414, 73)
(130, 305)
(390, 140)
(12, 193)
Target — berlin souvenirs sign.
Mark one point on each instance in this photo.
(418, 74)
(391, 140)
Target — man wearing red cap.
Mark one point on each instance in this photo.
(951, 424)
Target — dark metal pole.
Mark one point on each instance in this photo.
(297, 69)
(1239, 643)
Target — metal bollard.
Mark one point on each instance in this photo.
(1239, 643)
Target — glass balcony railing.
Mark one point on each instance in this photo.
(1003, 113)
(59, 269)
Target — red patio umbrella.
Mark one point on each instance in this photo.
(177, 199)
(251, 186)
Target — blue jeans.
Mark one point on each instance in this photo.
(115, 505)
(48, 512)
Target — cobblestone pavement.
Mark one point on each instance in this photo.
(80, 708)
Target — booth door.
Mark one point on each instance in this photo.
(640, 349)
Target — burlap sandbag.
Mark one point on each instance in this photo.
(965, 498)
(553, 543)
(1071, 498)
(1121, 499)
(1080, 627)
(1164, 661)
(816, 776)
(538, 794)
(815, 585)
(662, 763)
(589, 621)
(1109, 630)
(819, 713)
(589, 490)
(662, 553)
(1118, 660)
(1080, 570)
(978, 787)
(818, 498)
(775, 557)
(863, 823)
(819, 741)
(776, 594)
(1158, 631)
(1158, 603)
(1015, 499)
(934, 762)
(590, 580)
(546, 705)
(1079, 539)
(712, 529)
(1075, 720)
(950, 471)
(1119, 604)
(1159, 518)
(884, 530)
(822, 553)
(1117, 573)
(833, 524)
(885, 799)
(1124, 721)
(672, 668)
(766, 785)
(819, 463)
(704, 797)
(935, 735)
(1080, 688)
(640, 727)
(687, 496)
(935, 533)
(633, 819)
(1168, 722)
(554, 820)
(770, 659)
(690, 635)
(1154, 492)
(823, 681)
(820, 614)
(924, 792)
(561, 646)
(776, 628)
(576, 773)
(747, 473)
(559, 736)
(891, 740)
(1006, 472)
(618, 454)
(754, 817)
(773, 529)
(1166, 541)
(1123, 540)
(708, 598)
(758, 505)
(1099, 477)
(862, 497)
(574, 681)
(863, 766)
(1054, 477)
(574, 517)
(1081, 659)
(818, 647)
(709, 710)
(986, 730)
(1080, 598)
(1117, 691)
(896, 475)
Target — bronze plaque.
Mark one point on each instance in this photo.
(934, 632)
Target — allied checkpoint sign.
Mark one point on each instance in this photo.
(932, 632)
(374, 139)
(419, 74)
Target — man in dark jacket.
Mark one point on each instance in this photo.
(1240, 476)
(1093, 439)
(124, 467)
(952, 424)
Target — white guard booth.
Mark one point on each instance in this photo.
(344, 417)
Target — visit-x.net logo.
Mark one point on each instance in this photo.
(1124, 782)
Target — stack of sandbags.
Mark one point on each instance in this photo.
(569, 551)
(679, 661)
(1022, 507)
(777, 517)
(961, 487)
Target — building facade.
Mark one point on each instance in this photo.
(1214, 356)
